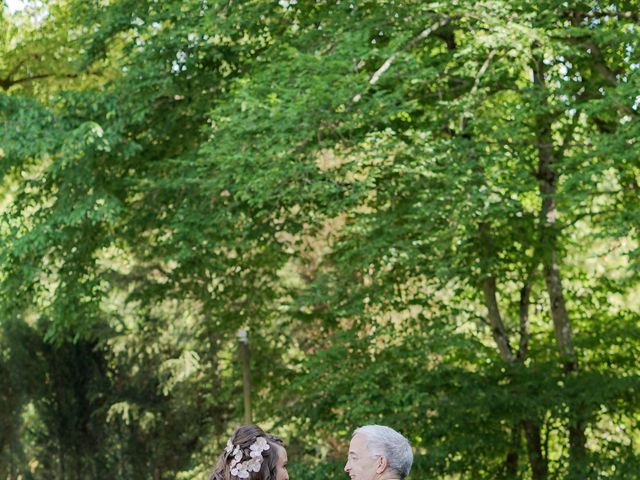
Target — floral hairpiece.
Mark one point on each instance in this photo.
(241, 469)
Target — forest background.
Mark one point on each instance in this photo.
(425, 213)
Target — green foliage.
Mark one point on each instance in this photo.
(425, 213)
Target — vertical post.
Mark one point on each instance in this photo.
(243, 338)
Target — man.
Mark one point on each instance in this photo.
(377, 452)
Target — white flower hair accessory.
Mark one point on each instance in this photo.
(241, 469)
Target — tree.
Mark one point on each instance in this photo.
(411, 190)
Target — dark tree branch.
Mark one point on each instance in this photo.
(498, 330)
(525, 334)
(15, 69)
(584, 215)
(7, 83)
(600, 63)
(489, 291)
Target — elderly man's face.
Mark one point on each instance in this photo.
(361, 465)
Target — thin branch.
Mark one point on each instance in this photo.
(387, 63)
(421, 36)
(600, 63)
(476, 84)
(604, 192)
(588, 215)
(15, 69)
(482, 71)
(606, 72)
(7, 83)
(226, 8)
(568, 136)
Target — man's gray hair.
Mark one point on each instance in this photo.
(390, 444)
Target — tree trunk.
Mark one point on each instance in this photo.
(489, 290)
(538, 462)
(497, 326)
(561, 324)
(577, 448)
(547, 181)
(512, 460)
(525, 294)
(62, 471)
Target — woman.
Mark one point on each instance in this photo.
(252, 454)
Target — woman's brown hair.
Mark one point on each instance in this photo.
(243, 437)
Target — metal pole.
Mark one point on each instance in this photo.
(243, 338)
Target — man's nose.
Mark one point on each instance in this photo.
(346, 467)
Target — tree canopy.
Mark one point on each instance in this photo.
(425, 213)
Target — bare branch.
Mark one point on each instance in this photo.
(387, 63)
(482, 71)
(476, 84)
(421, 36)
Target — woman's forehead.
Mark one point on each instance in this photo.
(281, 452)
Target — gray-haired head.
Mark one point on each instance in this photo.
(390, 444)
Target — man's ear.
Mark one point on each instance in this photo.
(381, 464)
